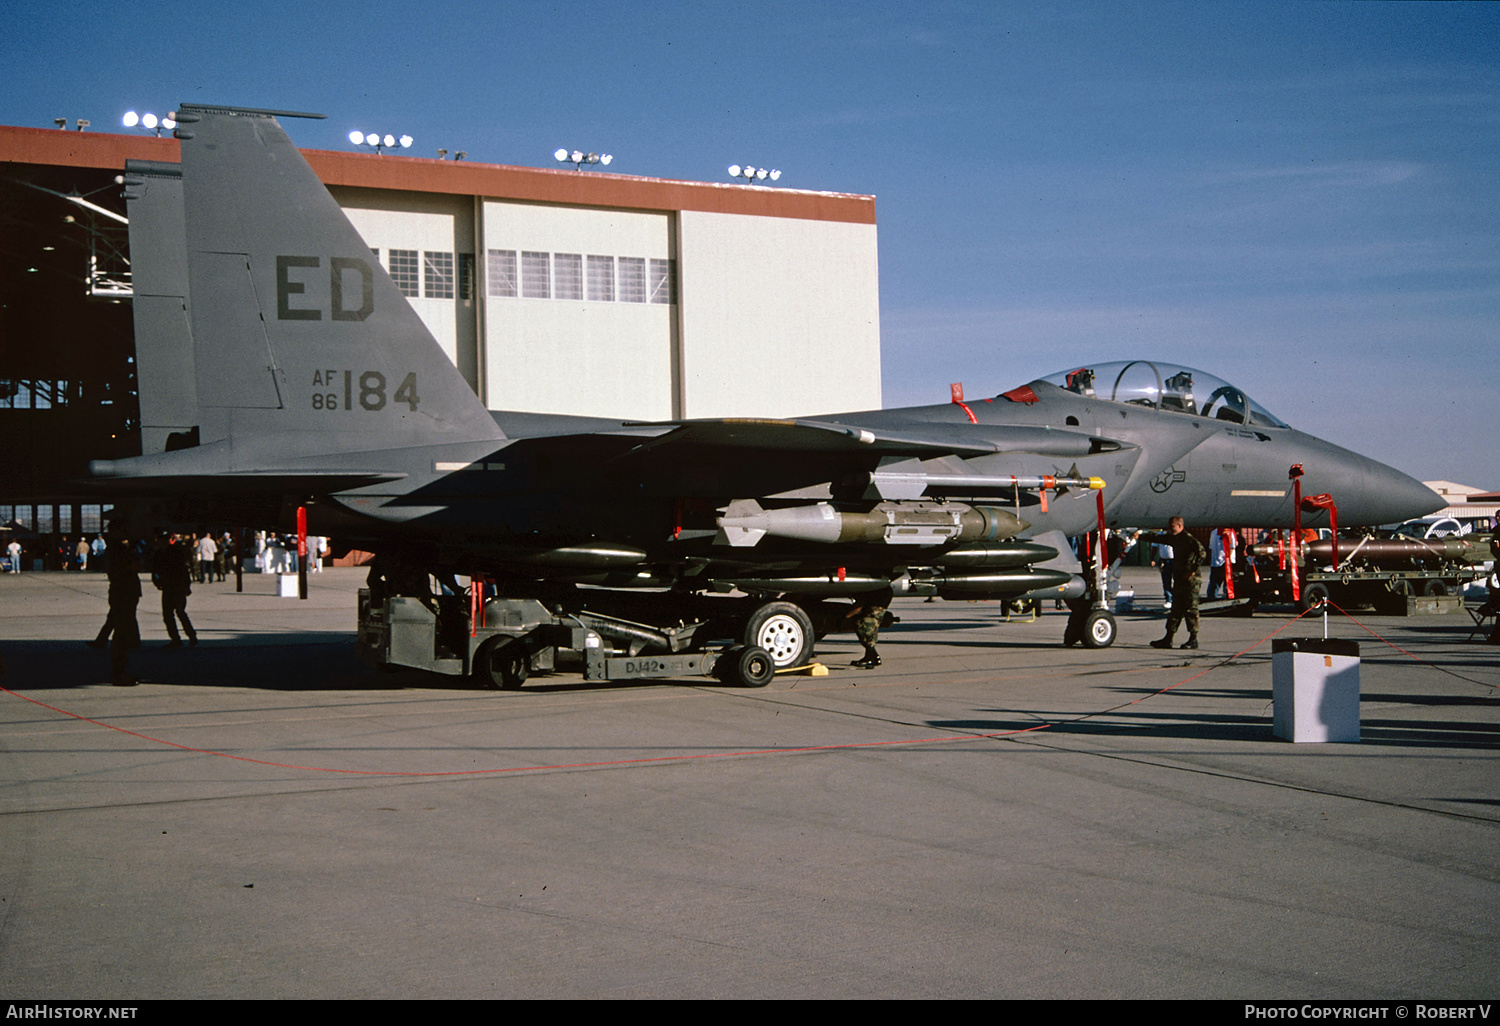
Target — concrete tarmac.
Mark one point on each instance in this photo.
(264, 817)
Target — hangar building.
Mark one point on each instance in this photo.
(553, 291)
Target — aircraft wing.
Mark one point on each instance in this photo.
(241, 482)
(833, 439)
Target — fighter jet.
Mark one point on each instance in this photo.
(310, 381)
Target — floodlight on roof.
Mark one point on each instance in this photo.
(754, 174)
(578, 158)
(381, 143)
(147, 121)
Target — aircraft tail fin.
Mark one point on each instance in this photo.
(298, 333)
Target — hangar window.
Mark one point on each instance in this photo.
(404, 271)
(536, 275)
(569, 276)
(500, 269)
(466, 276)
(36, 395)
(602, 279)
(632, 279)
(437, 275)
(663, 281)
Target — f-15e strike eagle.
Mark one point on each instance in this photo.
(311, 381)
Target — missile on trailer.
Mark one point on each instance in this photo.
(1463, 548)
(745, 522)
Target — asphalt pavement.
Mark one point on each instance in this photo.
(988, 814)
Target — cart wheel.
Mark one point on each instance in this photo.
(753, 666)
(502, 663)
(1313, 595)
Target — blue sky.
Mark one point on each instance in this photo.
(1300, 198)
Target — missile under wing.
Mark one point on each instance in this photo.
(313, 381)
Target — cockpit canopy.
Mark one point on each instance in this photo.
(1165, 386)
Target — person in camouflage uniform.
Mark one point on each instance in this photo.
(867, 615)
(1187, 581)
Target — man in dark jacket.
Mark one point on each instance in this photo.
(124, 596)
(1187, 580)
(173, 576)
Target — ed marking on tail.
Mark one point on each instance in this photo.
(337, 267)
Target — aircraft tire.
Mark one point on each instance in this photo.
(1434, 588)
(502, 663)
(782, 629)
(1099, 630)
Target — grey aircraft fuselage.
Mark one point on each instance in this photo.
(306, 376)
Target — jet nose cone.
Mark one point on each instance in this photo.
(1367, 493)
(1406, 498)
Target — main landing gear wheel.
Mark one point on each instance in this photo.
(1099, 630)
(784, 630)
(502, 663)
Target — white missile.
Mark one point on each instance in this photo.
(745, 523)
